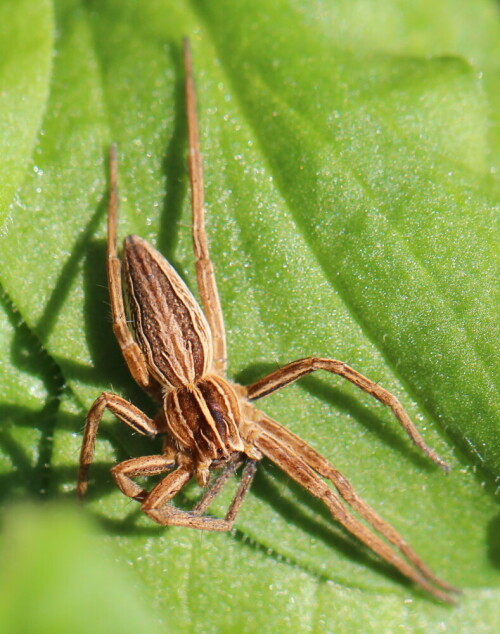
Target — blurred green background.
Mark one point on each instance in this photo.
(351, 165)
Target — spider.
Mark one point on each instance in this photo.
(176, 352)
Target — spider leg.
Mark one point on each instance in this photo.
(216, 487)
(131, 352)
(123, 410)
(136, 467)
(297, 369)
(320, 465)
(157, 508)
(205, 276)
(293, 465)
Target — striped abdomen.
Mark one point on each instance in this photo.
(168, 324)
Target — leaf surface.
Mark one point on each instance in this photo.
(351, 211)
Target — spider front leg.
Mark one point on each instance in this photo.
(156, 504)
(124, 411)
(216, 487)
(313, 459)
(289, 453)
(144, 466)
(297, 369)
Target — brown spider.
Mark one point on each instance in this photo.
(177, 354)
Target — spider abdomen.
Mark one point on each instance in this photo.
(166, 321)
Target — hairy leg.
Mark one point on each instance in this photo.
(319, 464)
(297, 369)
(207, 285)
(284, 456)
(144, 466)
(131, 352)
(156, 504)
(124, 411)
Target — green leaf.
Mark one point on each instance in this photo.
(26, 40)
(351, 209)
(52, 556)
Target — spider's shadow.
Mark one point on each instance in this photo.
(174, 164)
